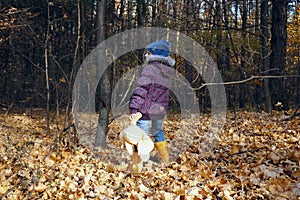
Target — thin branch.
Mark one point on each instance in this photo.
(127, 91)
(247, 80)
(49, 52)
(46, 71)
(296, 113)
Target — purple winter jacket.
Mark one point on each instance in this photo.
(153, 86)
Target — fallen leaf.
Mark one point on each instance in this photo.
(234, 149)
(296, 174)
(40, 187)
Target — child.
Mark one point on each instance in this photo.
(151, 97)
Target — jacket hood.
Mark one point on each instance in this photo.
(159, 58)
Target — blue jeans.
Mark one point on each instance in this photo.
(156, 128)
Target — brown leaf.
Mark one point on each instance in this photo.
(235, 149)
(275, 189)
(296, 174)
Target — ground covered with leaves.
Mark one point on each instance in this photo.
(256, 157)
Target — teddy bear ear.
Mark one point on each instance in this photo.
(134, 118)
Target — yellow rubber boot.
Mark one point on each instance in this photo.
(163, 153)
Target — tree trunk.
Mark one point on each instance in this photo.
(227, 47)
(243, 55)
(82, 15)
(278, 47)
(236, 15)
(105, 87)
(298, 85)
(264, 44)
(121, 15)
(47, 73)
(256, 21)
(129, 15)
(141, 12)
(219, 38)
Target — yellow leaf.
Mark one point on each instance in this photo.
(227, 195)
(292, 140)
(3, 189)
(62, 80)
(65, 154)
(40, 187)
(8, 172)
(49, 162)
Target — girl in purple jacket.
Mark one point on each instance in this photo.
(151, 97)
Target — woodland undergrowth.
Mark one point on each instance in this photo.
(256, 157)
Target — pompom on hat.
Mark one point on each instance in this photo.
(161, 48)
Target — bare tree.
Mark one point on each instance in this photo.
(105, 87)
(47, 71)
(278, 48)
(243, 88)
(265, 52)
(221, 26)
(141, 13)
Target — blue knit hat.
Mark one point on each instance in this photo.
(161, 48)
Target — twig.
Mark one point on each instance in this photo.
(293, 115)
(247, 80)
(127, 91)
(246, 151)
(69, 127)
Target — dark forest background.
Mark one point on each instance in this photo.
(43, 44)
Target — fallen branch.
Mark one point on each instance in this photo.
(296, 113)
(246, 151)
(246, 80)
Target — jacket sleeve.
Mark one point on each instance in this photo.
(138, 98)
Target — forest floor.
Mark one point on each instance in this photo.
(256, 157)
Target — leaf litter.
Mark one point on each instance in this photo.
(256, 157)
